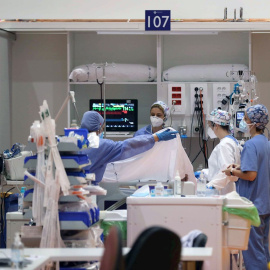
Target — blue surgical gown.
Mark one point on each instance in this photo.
(143, 131)
(110, 151)
(255, 157)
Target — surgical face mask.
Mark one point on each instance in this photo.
(101, 135)
(211, 133)
(93, 140)
(156, 121)
(243, 126)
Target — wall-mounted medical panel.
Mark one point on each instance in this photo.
(220, 91)
(177, 98)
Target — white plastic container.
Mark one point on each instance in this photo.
(17, 252)
(14, 166)
(201, 185)
(177, 184)
(159, 190)
(237, 230)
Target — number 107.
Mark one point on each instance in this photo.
(157, 21)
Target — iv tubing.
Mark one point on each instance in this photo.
(62, 107)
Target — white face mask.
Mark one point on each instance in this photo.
(211, 133)
(93, 140)
(156, 121)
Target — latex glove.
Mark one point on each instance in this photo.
(166, 135)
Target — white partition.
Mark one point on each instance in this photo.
(181, 215)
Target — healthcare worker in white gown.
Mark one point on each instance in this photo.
(225, 153)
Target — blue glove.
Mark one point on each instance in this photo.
(166, 135)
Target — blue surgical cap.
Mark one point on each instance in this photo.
(92, 121)
(258, 114)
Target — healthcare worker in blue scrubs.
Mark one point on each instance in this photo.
(159, 113)
(254, 183)
(110, 151)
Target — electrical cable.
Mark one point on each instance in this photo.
(203, 132)
(196, 156)
(198, 110)
(191, 132)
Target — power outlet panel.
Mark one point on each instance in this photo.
(197, 89)
(220, 91)
(176, 98)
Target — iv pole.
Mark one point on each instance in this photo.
(103, 66)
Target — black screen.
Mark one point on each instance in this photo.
(121, 114)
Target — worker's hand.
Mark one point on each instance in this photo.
(227, 172)
(166, 135)
(185, 179)
(234, 166)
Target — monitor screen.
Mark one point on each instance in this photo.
(239, 116)
(121, 114)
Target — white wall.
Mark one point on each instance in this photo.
(128, 9)
(39, 72)
(88, 48)
(261, 67)
(5, 68)
(224, 48)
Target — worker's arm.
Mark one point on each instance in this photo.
(249, 163)
(155, 137)
(247, 175)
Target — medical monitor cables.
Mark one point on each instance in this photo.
(199, 113)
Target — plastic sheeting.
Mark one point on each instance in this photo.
(38, 211)
(160, 163)
(118, 72)
(204, 73)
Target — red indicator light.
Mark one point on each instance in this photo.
(176, 88)
(176, 95)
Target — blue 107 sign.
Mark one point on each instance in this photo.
(157, 20)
